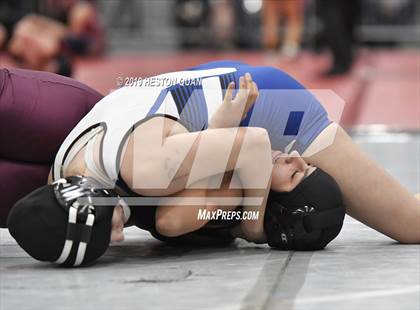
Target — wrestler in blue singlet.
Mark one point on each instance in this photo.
(291, 117)
(288, 115)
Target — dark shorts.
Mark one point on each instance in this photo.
(37, 111)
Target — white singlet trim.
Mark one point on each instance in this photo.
(120, 111)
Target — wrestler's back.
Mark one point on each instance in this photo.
(289, 112)
(285, 108)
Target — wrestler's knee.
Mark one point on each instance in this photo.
(168, 226)
(256, 137)
(409, 238)
(411, 232)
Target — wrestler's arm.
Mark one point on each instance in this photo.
(167, 161)
(371, 195)
(245, 149)
(181, 217)
(50, 180)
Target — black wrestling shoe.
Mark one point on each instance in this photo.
(336, 71)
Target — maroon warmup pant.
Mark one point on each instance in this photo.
(37, 111)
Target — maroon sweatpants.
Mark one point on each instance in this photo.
(37, 111)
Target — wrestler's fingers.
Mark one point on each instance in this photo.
(250, 86)
(249, 82)
(242, 83)
(252, 96)
(241, 95)
(255, 87)
(229, 92)
(248, 77)
(253, 91)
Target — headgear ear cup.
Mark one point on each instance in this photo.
(327, 223)
(50, 225)
(307, 218)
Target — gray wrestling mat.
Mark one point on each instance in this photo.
(361, 269)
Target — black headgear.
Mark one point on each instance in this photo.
(308, 217)
(50, 223)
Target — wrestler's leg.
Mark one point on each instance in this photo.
(270, 22)
(37, 111)
(293, 12)
(371, 195)
(153, 168)
(156, 168)
(181, 217)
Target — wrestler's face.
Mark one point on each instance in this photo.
(288, 171)
(117, 228)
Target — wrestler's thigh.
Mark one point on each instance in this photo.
(371, 195)
(144, 149)
(37, 111)
(151, 167)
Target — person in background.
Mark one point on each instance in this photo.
(85, 34)
(11, 11)
(191, 18)
(339, 19)
(3, 34)
(273, 11)
(222, 23)
(48, 41)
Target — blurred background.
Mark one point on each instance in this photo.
(366, 51)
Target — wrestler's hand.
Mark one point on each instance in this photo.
(233, 111)
(237, 231)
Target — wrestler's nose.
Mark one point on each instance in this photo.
(297, 161)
